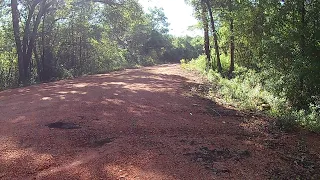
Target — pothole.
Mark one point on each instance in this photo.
(63, 125)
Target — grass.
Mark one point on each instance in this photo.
(247, 91)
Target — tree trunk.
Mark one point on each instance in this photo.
(302, 103)
(25, 48)
(80, 55)
(206, 35)
(39, 65)
(216, 46)
(43, 57)
(303, 25)
(26, 36)
(231, 69)
(73, 56)
(16, 32)
(28, 54)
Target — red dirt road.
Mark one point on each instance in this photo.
(141, 124)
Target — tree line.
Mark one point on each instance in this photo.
(279, 40)
(45, 40)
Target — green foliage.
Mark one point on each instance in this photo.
(75, 37)
(276, 54)
(245, 90)
(224, 59)
(248, 91)
(309, 118)
(159, 20)
(198, 64)
(8, 60)
(105, 55)
(182, 48)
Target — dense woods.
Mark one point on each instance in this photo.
(264, 54)
(45, 40)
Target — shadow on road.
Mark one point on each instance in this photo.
(133, 124)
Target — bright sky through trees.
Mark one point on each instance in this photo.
(178, 13)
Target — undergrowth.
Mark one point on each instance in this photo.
(248, 91)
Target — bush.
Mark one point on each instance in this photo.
(198, 64)
(249, 90)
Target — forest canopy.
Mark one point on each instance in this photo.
(265, 55)
(46, 40)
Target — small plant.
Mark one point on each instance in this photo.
(248, 90)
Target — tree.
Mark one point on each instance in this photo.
(25, 45)
(46, 40)
(158, 19)
(231, 69)
(201, 13)
(277, 39)
(215, 37)
(206, 33)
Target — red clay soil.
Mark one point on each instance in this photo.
(143, 123)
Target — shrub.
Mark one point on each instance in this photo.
(249, 90)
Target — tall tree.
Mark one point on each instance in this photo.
(231, 68)
(25, 46)
(215, 37)
(44, 40)
(205, 25)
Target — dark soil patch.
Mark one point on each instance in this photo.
(222, 112)
(301, 164)
(63, 125)
(208, 157)
(102, 142)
